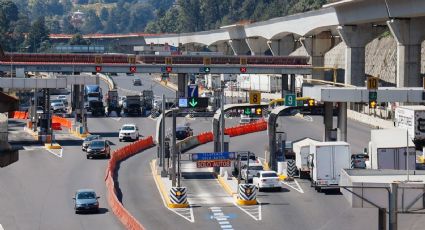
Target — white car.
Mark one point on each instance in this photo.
(252, 170)
(122, 100)
(129, 132)
(267, 179)
(58, 106)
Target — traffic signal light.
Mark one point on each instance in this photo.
(259, 111)
(243, 69)
(207, 69)
(311, 102)
(372, 104)
(168, 69)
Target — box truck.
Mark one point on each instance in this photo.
(301, 149)
(412, 118)
(387, 149)
(325, 162)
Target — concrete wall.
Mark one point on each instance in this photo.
(381, 57)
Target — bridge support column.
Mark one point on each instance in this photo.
(356, 38)
(239, 46)
(328, 120)
(182, 81)
(221, 47)
(409, 34)
(342, 121)
(283, 46)
(317, 46)
(285, 85)
(257, 45)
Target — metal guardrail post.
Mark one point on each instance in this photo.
(392, 216)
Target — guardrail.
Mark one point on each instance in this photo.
(108, 80)
(118, 155)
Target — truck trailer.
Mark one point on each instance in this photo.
(387, 149)
(325, 162)
(412, 118)
(301, 149)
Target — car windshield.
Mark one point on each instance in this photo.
(256, 167)
(56, 101)
(90, 138)
(97, 144)
(86, 195)
(245, 157)
(270, 175)
(128, 128)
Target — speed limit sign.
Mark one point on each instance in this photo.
(254, 97)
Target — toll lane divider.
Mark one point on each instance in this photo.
(18, 115)
(62, 121)
(118, 155)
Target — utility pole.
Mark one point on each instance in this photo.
(392, 215)
(162, 156)
(174, 150)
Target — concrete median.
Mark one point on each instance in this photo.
(118, 155)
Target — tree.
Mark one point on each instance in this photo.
(37, 35)
(77, 39)
(67, 27)
(210, 13)
(9, 9)
(92, 23)
(190, 16)
(140, 15)
(169, 24)
(104, 14)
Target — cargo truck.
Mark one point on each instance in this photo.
(260, 82)
(412, 118)
(132, 105)
(112, 102)
(92, 93)
(325, 162)
(301, 149)
(387, 149)
(146, 98)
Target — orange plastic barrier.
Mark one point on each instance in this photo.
(18, 115)
(62, 121)
(118, 155)
(56, 126)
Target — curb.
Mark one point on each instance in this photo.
(246, 202)
(82, 136)
(225, 186)
(53, 146)
(32, 133)
(162, 190)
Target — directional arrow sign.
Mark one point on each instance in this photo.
(193, 103)
(247, 111)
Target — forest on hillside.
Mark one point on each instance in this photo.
(26, 24)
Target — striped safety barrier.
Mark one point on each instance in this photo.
(247, 194)
(178, 197)
(291, 168)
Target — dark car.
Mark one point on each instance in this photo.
(359, 160)
(88, 140)
(86, 200)
(137, 81)
(99, 148)
(183, 132)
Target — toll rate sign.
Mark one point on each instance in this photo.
(209, 164)
(213, 156)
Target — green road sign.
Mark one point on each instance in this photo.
(247, 111)
(290, 100)
(373, 95)
(193, 103)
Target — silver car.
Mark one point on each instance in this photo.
(88, 140)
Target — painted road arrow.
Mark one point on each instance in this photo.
(193, 103)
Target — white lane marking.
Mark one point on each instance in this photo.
(221, 218)
(254, 211)
(56, 152)
(186, 213)
(29, 148)
(294, 185)
(308, 118)
(1, 227)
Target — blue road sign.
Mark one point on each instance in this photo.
(192, 91)
(213, 156)
(182, 102)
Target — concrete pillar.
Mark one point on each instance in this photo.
(328, 120)
(257, 45)
(182, 80)
(221, 47)
(285, 85)
(342, 122)
(283, 46)
(317, 46)
(239, 46)
(356, 38)
(409, 34)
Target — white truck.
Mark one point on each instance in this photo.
(387, 149)
(412, 118)
(326, 160)
(268, 83)
(301, 149)
(213, 81)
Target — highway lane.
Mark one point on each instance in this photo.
(37, 191)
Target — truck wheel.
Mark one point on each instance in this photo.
(319, 189)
